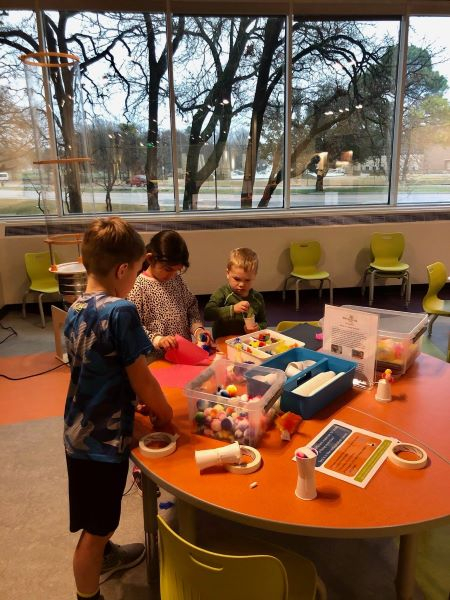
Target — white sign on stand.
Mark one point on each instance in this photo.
(352, 334)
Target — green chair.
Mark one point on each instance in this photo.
(42, 281)
(190, 572)
(432, 304)
(387, 250)
(283, 325)
(305, 257)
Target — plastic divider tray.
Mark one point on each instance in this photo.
(308, 406)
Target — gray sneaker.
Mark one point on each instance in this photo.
(121, 557)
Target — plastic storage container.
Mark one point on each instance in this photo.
(399, 337)
(242, 415)
(308, 406)
(259, 346)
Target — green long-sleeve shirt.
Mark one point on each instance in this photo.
(219, 309)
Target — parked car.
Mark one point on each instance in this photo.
(138, 180)
(4, 177)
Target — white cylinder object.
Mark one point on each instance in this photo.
(249, 321)
(306, 478)
(230, 454)
(293, 368)
(309, 387)
(383, 391)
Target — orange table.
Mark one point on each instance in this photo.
(395, 502)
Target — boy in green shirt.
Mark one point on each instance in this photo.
(228, 306)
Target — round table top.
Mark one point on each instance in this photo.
(395, 501)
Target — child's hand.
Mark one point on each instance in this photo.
(251, 329)
(169, 341)
(241, 307)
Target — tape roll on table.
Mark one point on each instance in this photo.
(418, 460)
(158, 436)
(246, 468)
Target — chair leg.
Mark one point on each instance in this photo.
(320, 288)
(285, 287)
(331, 291)
(297, 294)
(363, 286)
(24, 306)
(431, 320)
(41, 310)
(371, 287)
(408, 290)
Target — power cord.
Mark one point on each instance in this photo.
(34, 374)
(11, 329)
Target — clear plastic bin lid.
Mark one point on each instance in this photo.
(395, 323)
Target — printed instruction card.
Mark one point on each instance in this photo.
(352, 334)
(350, 453)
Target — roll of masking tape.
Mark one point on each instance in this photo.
(407, 456)
(245, 468)
(158, 444)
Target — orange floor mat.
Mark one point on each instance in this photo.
(36, 397)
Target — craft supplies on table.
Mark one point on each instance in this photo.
(229, 401)
(399, 337)
(259, 346)
(320, 389)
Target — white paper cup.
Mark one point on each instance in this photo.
(383, 391)
(230, 454)
(249, 322)
(306, 478)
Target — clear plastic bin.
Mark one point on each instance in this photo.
(241, 417)
(259, 346)
(399, 337)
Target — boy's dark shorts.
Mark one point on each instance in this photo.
(95, 494)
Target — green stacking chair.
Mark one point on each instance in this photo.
(387, 250)
(305, 258)
(432, 304)
(42, 281)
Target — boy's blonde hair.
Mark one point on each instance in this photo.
(109, 242)
(243, 258)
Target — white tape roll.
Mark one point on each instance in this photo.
(158, 436)
(246, 468)
(417, 461)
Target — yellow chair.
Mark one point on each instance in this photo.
(283, 325)
(190, 572)
(387, 250)
(42, 281)
(432, 304)
(305, 257)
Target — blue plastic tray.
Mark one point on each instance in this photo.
(307, 407)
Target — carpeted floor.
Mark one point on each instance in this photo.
(36, 549)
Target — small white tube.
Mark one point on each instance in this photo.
(309, 387)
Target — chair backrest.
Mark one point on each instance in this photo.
(437, 278)
(305, 256)
(37, 265)
(387, 248)
(191, 573)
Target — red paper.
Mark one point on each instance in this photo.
(186, 353)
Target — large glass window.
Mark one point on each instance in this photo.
(344, 76)
(424, 172)
(229, 88)
(20, 186)
(221, 83)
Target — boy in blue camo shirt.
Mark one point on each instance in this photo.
(107, 346)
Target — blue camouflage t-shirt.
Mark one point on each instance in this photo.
(103, 336)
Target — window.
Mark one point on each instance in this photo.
(199, 123)
(425, 136)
